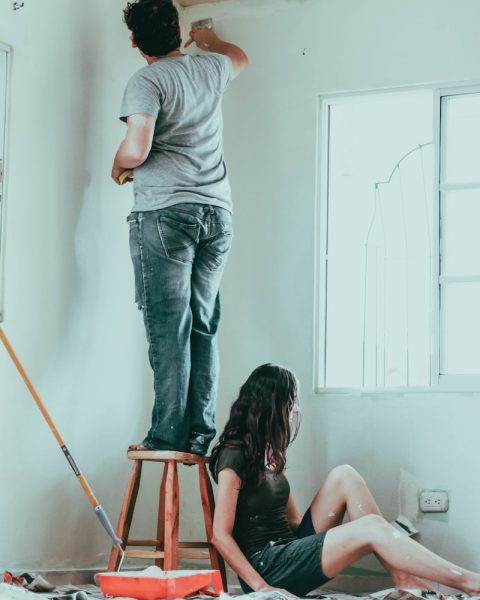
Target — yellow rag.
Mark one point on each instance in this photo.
(125, 176)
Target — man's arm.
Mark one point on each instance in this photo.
(134, 149)
(208, 40)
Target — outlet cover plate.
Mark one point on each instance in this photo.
(433, 501)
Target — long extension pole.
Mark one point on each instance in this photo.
(99, 511)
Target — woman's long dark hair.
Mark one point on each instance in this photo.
(260, 420)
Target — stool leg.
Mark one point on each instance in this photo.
(170, 545)
(126, 513)
(208, 504)
(161, 518)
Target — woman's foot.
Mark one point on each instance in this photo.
(472, 585)
(406, 581)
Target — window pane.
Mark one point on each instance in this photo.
(378, 292)
(461, 140)
(460, 237)
(460, 329)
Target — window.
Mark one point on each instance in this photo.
(4, 78)
(399, 255)
(459, 236)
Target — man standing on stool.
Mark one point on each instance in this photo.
(181, 222)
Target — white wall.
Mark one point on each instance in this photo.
(69, 286)
(300, 49)
(69, 295)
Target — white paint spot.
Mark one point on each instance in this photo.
(396, 534)
(455, 572)
(153, 573)
(332, 514)
(360, 507)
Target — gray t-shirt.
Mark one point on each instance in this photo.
(185, 163)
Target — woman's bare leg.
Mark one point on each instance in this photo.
(347, 543)
(345, 491)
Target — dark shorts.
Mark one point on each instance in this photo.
(294, 565)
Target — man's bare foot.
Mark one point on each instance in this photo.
(140, 446)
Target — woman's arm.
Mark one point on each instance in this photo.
(229, 484)
(294, 518)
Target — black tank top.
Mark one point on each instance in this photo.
(261, 514)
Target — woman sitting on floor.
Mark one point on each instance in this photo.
(258, 529)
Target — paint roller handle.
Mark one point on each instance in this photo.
(104, 520)
(102, 516)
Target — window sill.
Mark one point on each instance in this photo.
(469, 388)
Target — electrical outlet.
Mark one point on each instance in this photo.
(433, 500)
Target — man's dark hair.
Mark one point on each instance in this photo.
(154, 24)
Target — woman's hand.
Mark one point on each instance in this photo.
(269, 588)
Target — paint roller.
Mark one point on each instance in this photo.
(99, 511)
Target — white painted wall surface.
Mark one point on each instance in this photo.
(69, 285)
(69, 295)
(298, 50)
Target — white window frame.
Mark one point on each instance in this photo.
(438, 382)
(3, 189)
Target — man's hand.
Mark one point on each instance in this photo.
(117, 175)
(205, 38)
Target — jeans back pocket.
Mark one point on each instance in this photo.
(179, 238)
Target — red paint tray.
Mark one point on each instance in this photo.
(154, 584)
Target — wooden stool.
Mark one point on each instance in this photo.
(167, 547)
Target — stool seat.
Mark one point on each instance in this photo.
(167, 547)
(166, 455)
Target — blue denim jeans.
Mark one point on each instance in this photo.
(179, 255)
